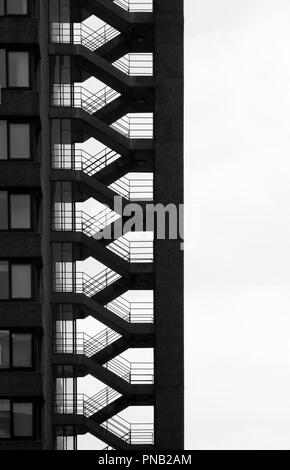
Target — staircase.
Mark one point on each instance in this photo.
(82, 283)
(135, 6)
(133, 251)
(132, 312)
(80, 221)
(68, 157)
(77, 96)
(80, 33)
(135, 126)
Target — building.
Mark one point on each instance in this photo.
(67, 147)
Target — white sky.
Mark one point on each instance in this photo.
(238, 174)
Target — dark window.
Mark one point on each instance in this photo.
(15, 211)
(19, 135)
(18, 69)
(22, 350)
(16, 7)
(3, 73)
(22, 419)
(20, 211)
(15, 281)
(16, 419)
(21, 281)
(15, 350)
(13, 7)
(4, 349)
(3, 210)
(4, 280)
(15, 142)
(5, 419)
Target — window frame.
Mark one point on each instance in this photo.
(20, 400)
(16, 331)
(17, 193)
(8, 141)
(30, 69)
(11, 15)
(27, 262)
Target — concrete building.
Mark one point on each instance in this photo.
(91, 109)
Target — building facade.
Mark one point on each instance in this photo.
(91, 131)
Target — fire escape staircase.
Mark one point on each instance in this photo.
(98, 414)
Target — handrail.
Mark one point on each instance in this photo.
(81, 404)
(132, 312)
(82, 343)
(136, 64)
(64, 220)
(133, 251)
(77, 96)
(132, 372)
(80, 33)
(134, 188)
(135, 126)
(82, 283)
(136, 6)
(68, 157)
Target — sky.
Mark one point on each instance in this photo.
(237, 147)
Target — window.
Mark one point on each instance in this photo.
(18, 69)
(5, 419)
(15, 142)
(15, 281)
(16, 419)
(14, 69)
(19, 138)
(3, 210)
(22, 419)
(20, 211)
(15, 350)
(3, 78)
(15, 211)
(4, 280)
(13, 7)
(21, 281)
(4, 349)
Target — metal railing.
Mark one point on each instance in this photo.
(136, 64)
(135, 126)
(81, 404)
(79, 33)
(64, 220)
(77, 96)
(82, 343)
(82, 283)
(132, 433)
(132, 312)
(133, 251)
(68, 157)
(132, 372)
(135, 5)
(134, 188)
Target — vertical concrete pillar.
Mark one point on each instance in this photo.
(169, 356)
